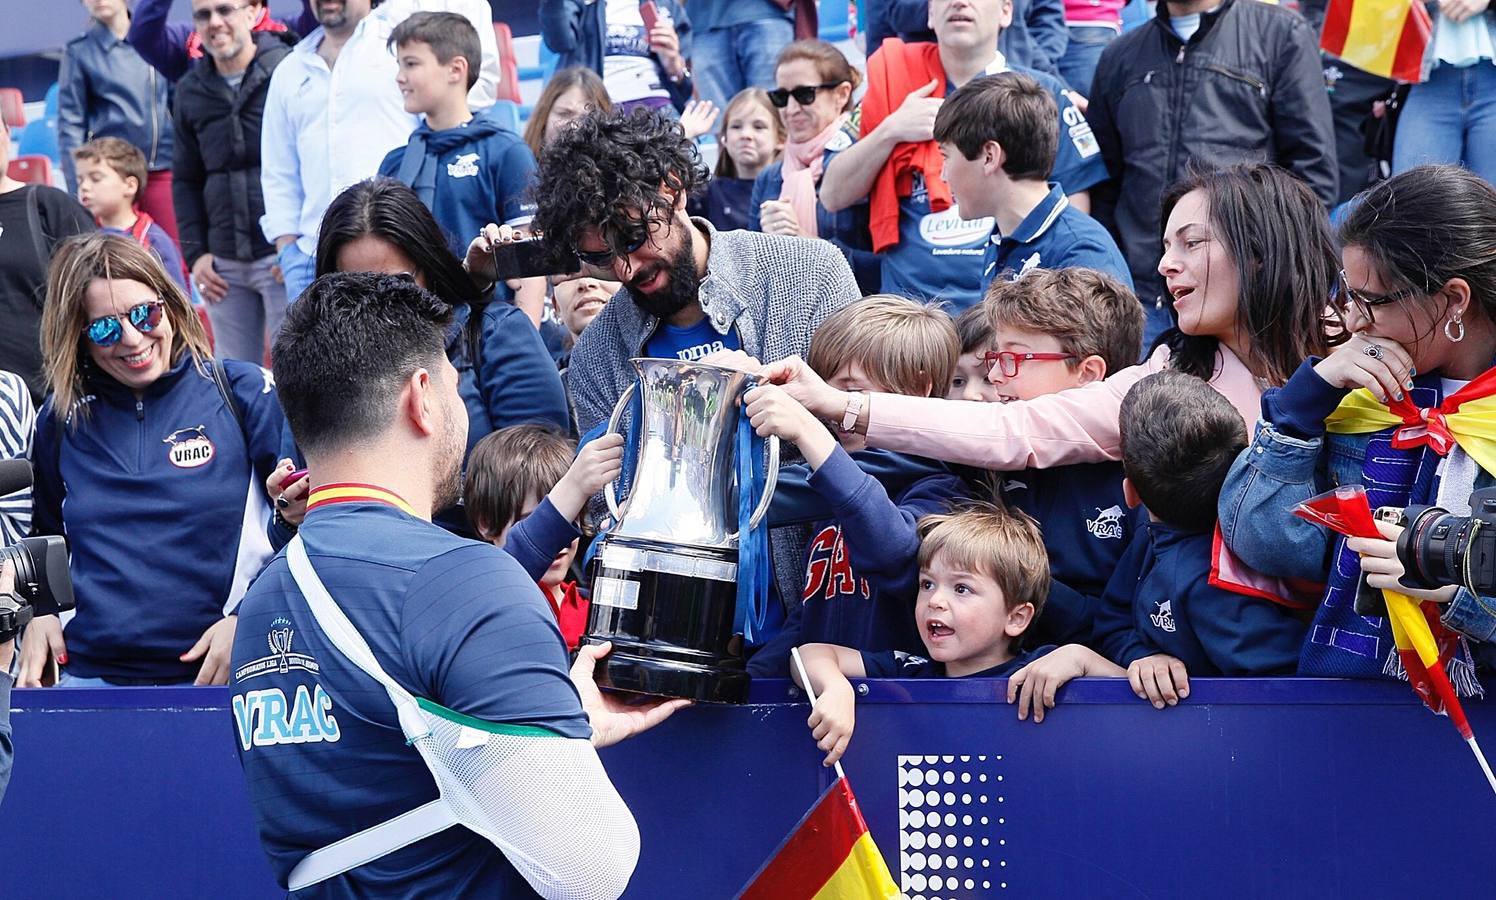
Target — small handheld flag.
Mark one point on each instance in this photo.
(829, 855)
(1346, 511)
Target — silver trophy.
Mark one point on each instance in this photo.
(665, 589)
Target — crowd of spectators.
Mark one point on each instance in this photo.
(1028, 292)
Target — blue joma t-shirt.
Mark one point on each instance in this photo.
(454, 621)
(692, 343)
(939, 254)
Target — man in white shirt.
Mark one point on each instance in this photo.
(334, 111)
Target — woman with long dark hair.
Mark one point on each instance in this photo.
(1419, 302)
(505, 375)
(1251, 267)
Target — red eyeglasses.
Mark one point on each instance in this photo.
(1010, 361)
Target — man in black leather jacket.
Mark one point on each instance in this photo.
(106, 90)
(1243, 84)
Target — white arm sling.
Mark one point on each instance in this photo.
(488, 776)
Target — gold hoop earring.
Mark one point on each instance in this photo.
(1453, 336)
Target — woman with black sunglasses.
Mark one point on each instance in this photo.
(815, 85)
(1418, 296)
(149, 457)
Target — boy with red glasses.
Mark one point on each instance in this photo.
(1052, 331)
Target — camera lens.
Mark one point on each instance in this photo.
(19, 555)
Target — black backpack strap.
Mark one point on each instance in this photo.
(38, 239)
(221, 379)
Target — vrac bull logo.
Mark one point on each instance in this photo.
(189, 448)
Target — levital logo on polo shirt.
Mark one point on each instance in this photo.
(948, 230)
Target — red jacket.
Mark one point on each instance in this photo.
(894, 72)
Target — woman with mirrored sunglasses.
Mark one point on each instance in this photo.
(815, 87)
(150, 457)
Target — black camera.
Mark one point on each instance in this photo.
(1438, 549)
(43, 585)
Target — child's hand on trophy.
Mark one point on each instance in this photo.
(599, 462)
(774, 412)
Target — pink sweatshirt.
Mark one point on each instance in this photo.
(1079, 425)
(1094, 12)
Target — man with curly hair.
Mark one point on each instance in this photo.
(612, 189)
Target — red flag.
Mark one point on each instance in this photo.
(828, 856)
(1384, 37)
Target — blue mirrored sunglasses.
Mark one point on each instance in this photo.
(106, 331)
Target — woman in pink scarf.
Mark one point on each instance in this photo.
(815, 84)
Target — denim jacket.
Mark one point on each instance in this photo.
(1292, 459)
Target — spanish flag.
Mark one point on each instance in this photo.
(828, 856)
(1383, 37)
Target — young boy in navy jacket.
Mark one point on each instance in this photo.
(983, 577)
(469, 170)
(999, 135)
(524, 492)
(1053, 330)
(859, 571)
(1160, 616)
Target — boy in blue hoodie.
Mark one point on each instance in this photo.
(469, 170)
(1160, 617)
(1053, 330)
(860, 574)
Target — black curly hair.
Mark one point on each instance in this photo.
(614, 171)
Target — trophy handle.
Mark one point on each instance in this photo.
(608, 493)
(769, 483)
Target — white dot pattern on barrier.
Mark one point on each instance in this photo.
(935, 819)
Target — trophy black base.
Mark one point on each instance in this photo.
(624, 671)
(668, 611)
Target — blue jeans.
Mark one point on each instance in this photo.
(69, 680)
(1451, 118)
(1078, 65)
(726, 60)
(298, 270)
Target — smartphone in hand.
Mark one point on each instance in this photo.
(650, 14)
(531, 259)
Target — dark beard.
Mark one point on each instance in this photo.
(681, 290)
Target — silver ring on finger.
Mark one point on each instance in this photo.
(1374, 351)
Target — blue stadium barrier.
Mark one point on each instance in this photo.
(1281, 788)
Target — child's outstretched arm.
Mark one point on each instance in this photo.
(598, 463)
(1034, 685)
(773, 411)
(535, 540)
(831, 720)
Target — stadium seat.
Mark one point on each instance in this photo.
(507, 114)
(39, 138)
(31, 170)
(508, 67)
(12, 107)
(835, 21)
(51, 102)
